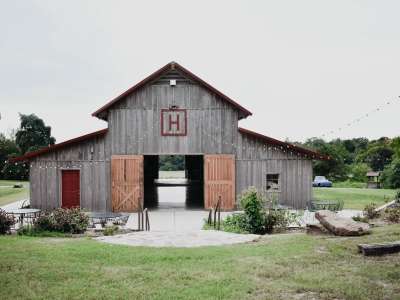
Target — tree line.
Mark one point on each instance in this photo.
(351, 159)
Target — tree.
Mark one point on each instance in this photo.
(33, 134)
(377, 156)
(172, 162)
(395, 145)
(334, 168)
(391, 175)
(7, 148)
(359, 172)
(15, 171)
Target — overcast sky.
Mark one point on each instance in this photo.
(303, 68)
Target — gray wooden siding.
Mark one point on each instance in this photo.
(89, 157)
(134, 124)
(255, 159)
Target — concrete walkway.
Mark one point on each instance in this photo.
(185, 239)
(13, 205)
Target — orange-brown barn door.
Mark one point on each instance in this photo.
(219, 180)
(126, 182)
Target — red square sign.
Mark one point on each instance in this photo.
(173, 122)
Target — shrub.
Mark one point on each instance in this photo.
(6, 221)
(271, 219)
(110, 230)
(45, 222)
(393, 214)
(397, 196)
(358, 218)
(71, 220)
(236, 223)
(279, 219)
(370, 211)
(252, 203)
(63, 220)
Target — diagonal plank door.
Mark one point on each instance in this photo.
(219, 180)
(126, 183)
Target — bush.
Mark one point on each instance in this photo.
(71, 220)
(6, 221)
(63, 220)
(397, 196)
(393, 214)
(252, 203)
(236, 223)
(256, 219)
(279, 219)
(370, 211)
(358, 218)
(45, 222)
(271, 219)
(111, 230)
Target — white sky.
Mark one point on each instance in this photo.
(302, 67)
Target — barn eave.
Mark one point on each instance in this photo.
(30, 155)
(284, 145)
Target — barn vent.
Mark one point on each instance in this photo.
(171, 77)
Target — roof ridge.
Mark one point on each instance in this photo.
(171, 66)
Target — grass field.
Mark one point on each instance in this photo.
(349, 184)
(171, 174)
(354, 198)
(287, 266)
(8, 194)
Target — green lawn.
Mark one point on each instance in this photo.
(171, 174)
(355, 198)
(10, 194)
(288, 266)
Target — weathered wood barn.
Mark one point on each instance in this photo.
(171, 112)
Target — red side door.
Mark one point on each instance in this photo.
(70, 188)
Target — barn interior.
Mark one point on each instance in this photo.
(174, 189)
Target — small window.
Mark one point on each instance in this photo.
(273, 183)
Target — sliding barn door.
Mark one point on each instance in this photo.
(219, 180)
(126, 182)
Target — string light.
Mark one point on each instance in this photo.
(359, 119)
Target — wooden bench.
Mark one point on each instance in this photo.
(379, 249)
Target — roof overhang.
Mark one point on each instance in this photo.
(33, 154)
(284, 145)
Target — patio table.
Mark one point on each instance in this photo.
(104, 217)
(24, 213)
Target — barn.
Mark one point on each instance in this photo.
(171, 112)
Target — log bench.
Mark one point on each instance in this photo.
(379, 249)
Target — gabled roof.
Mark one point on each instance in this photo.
(284, 145)
(30, 155)
(173, 66)
(373, 174)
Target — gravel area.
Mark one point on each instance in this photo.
(197, 238)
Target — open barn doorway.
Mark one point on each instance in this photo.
(173, 181)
